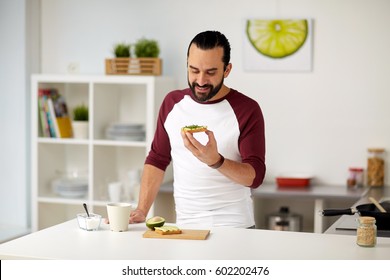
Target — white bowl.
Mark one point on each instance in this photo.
(90, 223)
(70, 187)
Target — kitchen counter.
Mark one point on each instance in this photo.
(346, 224)
(316, 193)
(319, 194)
(311, 192)
(268, 190)
(67, 242)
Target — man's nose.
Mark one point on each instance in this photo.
(202, 80)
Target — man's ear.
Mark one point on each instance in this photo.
(227, 70)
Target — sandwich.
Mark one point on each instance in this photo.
(194, 128)
(164, 230)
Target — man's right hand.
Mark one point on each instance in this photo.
(137, 216)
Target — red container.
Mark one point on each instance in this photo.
(296, 181)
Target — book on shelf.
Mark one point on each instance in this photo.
(43, 120)
(54, 116)
(48, 126)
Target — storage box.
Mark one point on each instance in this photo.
(134, 66)
(297, 181)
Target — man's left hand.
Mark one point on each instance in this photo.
(208, 153)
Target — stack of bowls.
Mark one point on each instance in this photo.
(126, 132)
(70, 187)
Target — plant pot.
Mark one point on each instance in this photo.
(134, 66)
(80, 129)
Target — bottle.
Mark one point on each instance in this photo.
(355, 178)
(366, 232)
(375, 167)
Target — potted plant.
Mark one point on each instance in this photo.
(122, 50)
(147, 52)
(80, 121)
(122, 53)
(145, 62)
(146, 48)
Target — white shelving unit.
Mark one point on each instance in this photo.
(110, 99)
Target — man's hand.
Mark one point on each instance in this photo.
(137, 216)
(208, 153)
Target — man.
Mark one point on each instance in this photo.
(215, 170)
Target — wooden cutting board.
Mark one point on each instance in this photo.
(193, 234)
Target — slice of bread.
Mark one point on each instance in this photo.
(167, 230)
(194, 128)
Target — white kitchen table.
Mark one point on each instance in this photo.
(317, 193)
(67, 242)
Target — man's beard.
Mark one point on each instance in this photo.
(203, 98)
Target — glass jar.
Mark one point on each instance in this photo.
(375, 167)
(366, 232)
(355, 178)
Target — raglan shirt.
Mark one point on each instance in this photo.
(203, 196)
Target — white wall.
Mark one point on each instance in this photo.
(13, 114)
(19, 56)
(320, 122)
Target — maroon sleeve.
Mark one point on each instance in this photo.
(252, 134)
(160, 151)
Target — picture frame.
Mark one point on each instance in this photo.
(278, 44)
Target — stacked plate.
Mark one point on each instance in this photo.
(126, 132)
(70, 187)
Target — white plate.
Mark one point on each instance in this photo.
(129, 126)
(70, 187)
(126, 138)
(72, 194)
(70, 182)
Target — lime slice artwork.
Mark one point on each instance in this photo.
(277, 38)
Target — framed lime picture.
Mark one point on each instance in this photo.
(278, 45)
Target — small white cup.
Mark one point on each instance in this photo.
(115, 191)
(118, 216)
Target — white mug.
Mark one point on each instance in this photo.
(118, 216)
(115, 191)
